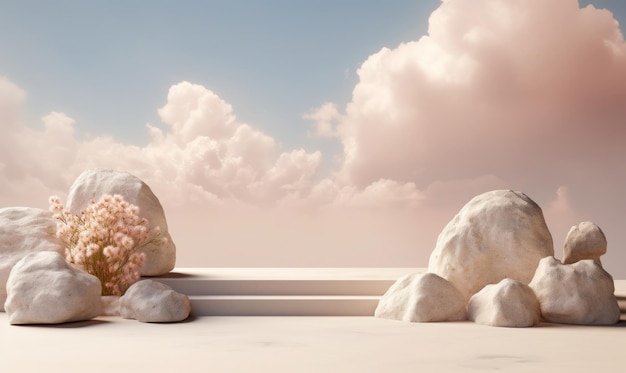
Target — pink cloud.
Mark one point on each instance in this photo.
(204, 153)
(325, 119)
(216, 178)
(490, 84)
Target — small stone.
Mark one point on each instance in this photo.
(93, 184)
(44, 289)
(508, 303)
(578, 293)
(422, 297)
(24, 230)
(152, 301)
(497, 235)
(584, 241)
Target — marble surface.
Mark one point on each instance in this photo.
(307, 344)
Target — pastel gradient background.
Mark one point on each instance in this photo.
(328, 133)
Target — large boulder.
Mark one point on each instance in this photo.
(497, 235)
(584, 241)
(24, 230)
(92, 184)
(579, 293)
(422, 297)
(152, 301)
(508, 303)
(44, 289)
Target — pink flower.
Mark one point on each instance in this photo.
(111, 251)
(91, 249)
(105, 239)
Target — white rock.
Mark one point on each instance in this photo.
(422, 297)
(92, 184)
(508, 303)
(584, 241)
(152, 301)
(44, 289)
(497, 235)
(579, 293)
(24, 230)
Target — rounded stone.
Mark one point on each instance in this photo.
(24, 230)
(496, 235)
(422, 297)
(584, 241)
(92, 184)
(152, 301)
(44, 289)
(508, 303)
(578, 293)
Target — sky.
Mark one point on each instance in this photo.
(328, 133)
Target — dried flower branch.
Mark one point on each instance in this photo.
(104, 240)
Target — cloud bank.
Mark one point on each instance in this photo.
(528, 95)
(493, 88)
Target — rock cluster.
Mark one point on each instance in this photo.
(41, 288)
(497, 251)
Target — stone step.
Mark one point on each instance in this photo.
(283, 291)
(283, 281)
(293, 291)
(275, 305)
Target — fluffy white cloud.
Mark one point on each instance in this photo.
(514, 89)
(215, 177)
(203, 154)
(325, 119)
(227, 159)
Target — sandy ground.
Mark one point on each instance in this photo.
(307, 344)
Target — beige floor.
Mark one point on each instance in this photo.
(307, 344)
(310, 344)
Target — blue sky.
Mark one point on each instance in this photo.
(109, 64)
